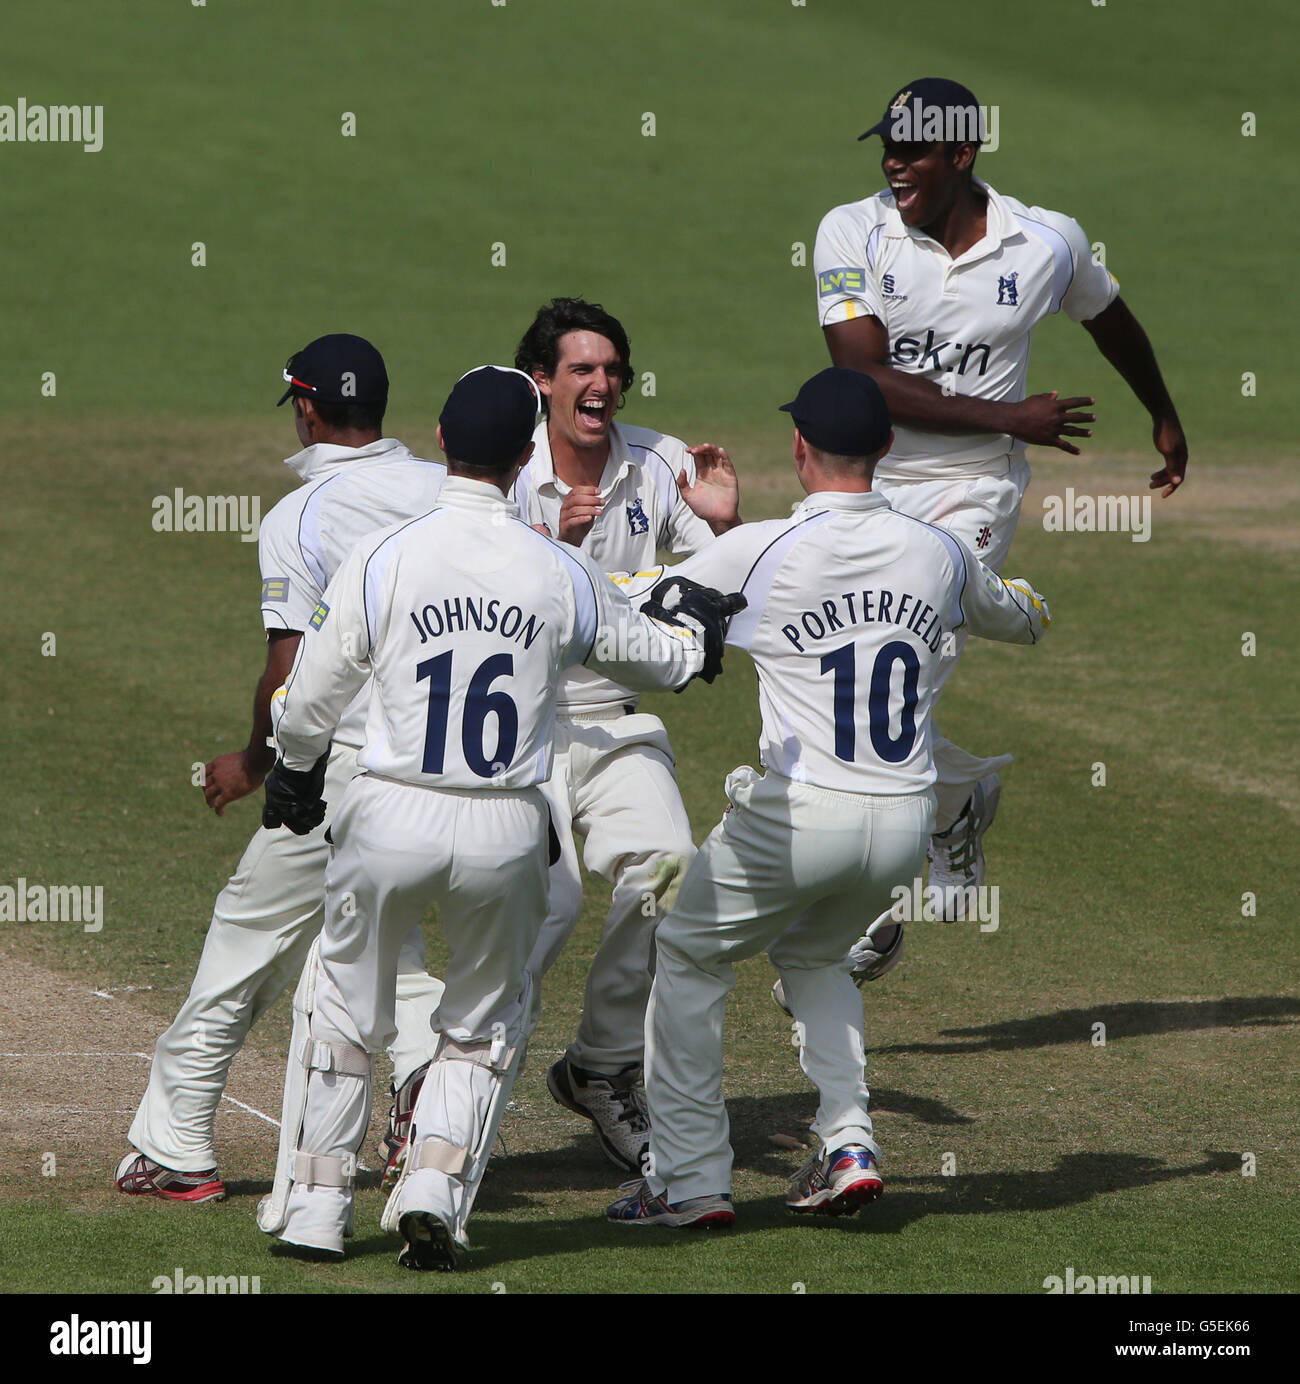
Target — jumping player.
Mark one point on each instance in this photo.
(933, 287)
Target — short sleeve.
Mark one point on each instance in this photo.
(845, 283)
(289, 591)
(1093, 288)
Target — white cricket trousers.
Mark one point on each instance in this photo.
(263, 924)
(481, 857)
(983, 512)
(798, 871)
(398, 847)
(613, 786)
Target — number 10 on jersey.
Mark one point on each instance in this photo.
(842, 662)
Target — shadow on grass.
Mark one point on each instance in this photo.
(1129, 1020)
(1075, 1179)
(515, 1180)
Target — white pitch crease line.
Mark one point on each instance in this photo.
(145, 1055)
(252, 1110)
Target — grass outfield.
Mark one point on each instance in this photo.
(1120, 905)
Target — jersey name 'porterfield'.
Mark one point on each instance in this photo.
(871, 607)
(458, 613)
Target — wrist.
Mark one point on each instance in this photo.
(258, 760)
(1004, 418)
(721, 526)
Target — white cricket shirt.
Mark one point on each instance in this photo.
(466, 617)
(347, 493)
(849, 603)
(644, 511)
(963, 323)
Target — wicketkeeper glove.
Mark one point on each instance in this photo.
(293, 796)
(680, 601)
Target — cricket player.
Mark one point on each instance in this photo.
(933, 288)
(619, 494)
(848, 606)
(466, 618)
(354, 481)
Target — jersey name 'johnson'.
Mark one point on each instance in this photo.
(476, 702)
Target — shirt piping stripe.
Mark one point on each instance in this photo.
(365, 575)
(585, 599)
(959, 562)
(311, 558)
(744, 625)
(1063, 267)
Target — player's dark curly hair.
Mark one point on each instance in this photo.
(540, 347)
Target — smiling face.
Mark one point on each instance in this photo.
(583, 394)
(926, 179)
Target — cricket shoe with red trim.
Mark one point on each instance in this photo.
(392, 1147)
(837, 1183)
(642, 1207)
(139, 1176)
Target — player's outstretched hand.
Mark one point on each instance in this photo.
(228, 778)
(1047, 420)
(678, 600)
(715, 495)
(293, 797)
(1172, 445)
(578, 512)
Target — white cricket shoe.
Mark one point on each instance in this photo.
(616, 1105)
(957, 855)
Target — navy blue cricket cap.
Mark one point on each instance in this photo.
(913, 104)
(489, 417)
(841, 411)
(337, 369)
